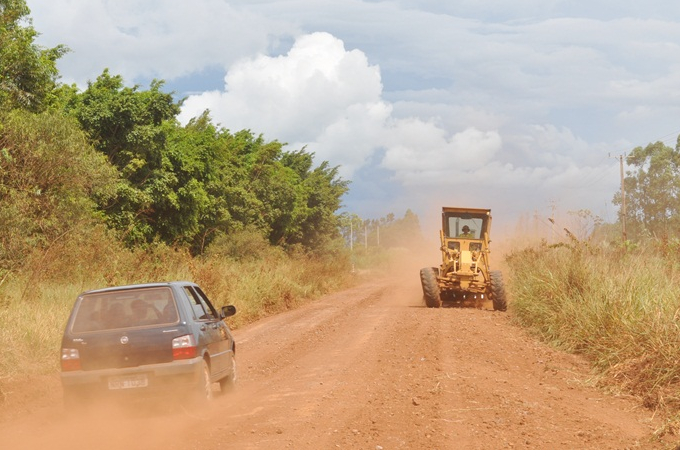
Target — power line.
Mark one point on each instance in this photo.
(589, 181)
(594, 177)
(663, 138)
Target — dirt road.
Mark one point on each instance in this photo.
(371, 368)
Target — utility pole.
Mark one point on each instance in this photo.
(351, 235)
(365, 236)
(623, 201)
(624, 235)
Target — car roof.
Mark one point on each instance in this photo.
(141, 286)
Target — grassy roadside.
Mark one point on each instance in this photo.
(34, 306)
(619, 308)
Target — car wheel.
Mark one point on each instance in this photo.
(205, 386)
(228, 383)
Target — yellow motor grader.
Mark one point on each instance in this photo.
(464, 275)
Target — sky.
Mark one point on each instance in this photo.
(522, 106)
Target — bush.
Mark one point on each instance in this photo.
(244, 245)
(48, 176)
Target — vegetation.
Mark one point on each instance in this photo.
(186, 185)
(387, 231)
(652, 192)
(117, 156)
(617, 303)
(616, 306)
(28, 72)
(34, 309)
(105, 187)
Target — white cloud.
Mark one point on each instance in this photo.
(524, 98)
(352, 140)
(417, 146)
(318, 94)
(151, 39)
(330, 99)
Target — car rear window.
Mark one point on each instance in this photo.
(125, 309)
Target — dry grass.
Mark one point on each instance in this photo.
(35, 304)
(619, 308)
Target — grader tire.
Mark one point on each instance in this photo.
(431, 294)
(500, 302)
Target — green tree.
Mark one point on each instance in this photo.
(404, 232)
(126, 125)
(323, 190)
(652, 190)
(28, 72)
(201, 194)
(385, 232)
(185, 185)
(226, 183)
(48, 177)
(280, 192)
(351, 228)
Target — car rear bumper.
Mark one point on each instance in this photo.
(178, 376)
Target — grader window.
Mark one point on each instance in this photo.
(464, 226)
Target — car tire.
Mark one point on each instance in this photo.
(228, 383)
(205, 392)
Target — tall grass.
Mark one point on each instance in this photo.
(35, 304)
(619, 308)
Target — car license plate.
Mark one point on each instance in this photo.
(128, 382)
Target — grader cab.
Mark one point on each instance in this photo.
(464, 275)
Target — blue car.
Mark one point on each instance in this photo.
(146, 340)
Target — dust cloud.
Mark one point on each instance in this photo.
(171, 425)
(110, 426)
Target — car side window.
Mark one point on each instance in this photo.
(203, 310)
(206, 303)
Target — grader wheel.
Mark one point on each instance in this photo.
(500, 302)
(431, 294)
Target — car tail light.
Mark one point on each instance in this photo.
(70, 359)
(184, 347)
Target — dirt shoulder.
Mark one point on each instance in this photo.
(372, 368)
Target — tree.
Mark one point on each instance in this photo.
(184, 185)
(206, 186)
(652, 190)
(351, 226)
(324, 189)
(28, 72)
(404, 232)
(126, 125)
(387, 232)
(49, 176)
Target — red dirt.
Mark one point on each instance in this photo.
(370, 368)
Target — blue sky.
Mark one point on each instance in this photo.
(516, 106)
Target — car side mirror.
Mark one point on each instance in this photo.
(228, 311)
